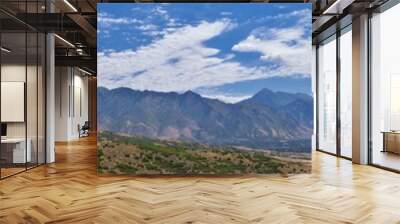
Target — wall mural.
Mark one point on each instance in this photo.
(204, 88)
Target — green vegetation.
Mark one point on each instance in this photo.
(137, 155)
(124, 168)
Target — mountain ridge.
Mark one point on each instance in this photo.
(302, 95)
(273, 120)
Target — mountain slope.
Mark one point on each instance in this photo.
(263, 121)
(278, 99)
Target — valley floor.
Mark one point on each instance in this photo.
(70, 191)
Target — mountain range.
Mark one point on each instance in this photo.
(268, 120)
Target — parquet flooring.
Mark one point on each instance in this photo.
(69, 191)
(10, 171)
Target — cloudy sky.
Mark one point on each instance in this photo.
(223, 51)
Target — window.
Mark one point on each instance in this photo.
(385, 89)
(346, 92)
(22, 77)
(327, 96)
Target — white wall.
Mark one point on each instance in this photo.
(80, 110)
(71, 94)
(33, 126)
(14, 72)
(61, 103)
(17, 73)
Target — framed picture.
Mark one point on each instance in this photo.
(204, 88)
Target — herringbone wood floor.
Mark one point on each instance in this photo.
(70, 191)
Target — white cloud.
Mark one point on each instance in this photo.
(194, 64)
(170, 21)
(227, 98)
(290, 47)
(173, 22)
(108, 20)
(297, 13)
(180, 61)
(147, 27)
(161, 12)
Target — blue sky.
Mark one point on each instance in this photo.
(223, 51)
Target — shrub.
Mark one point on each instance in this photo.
(126, 168)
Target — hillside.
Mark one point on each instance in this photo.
(138, 155)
